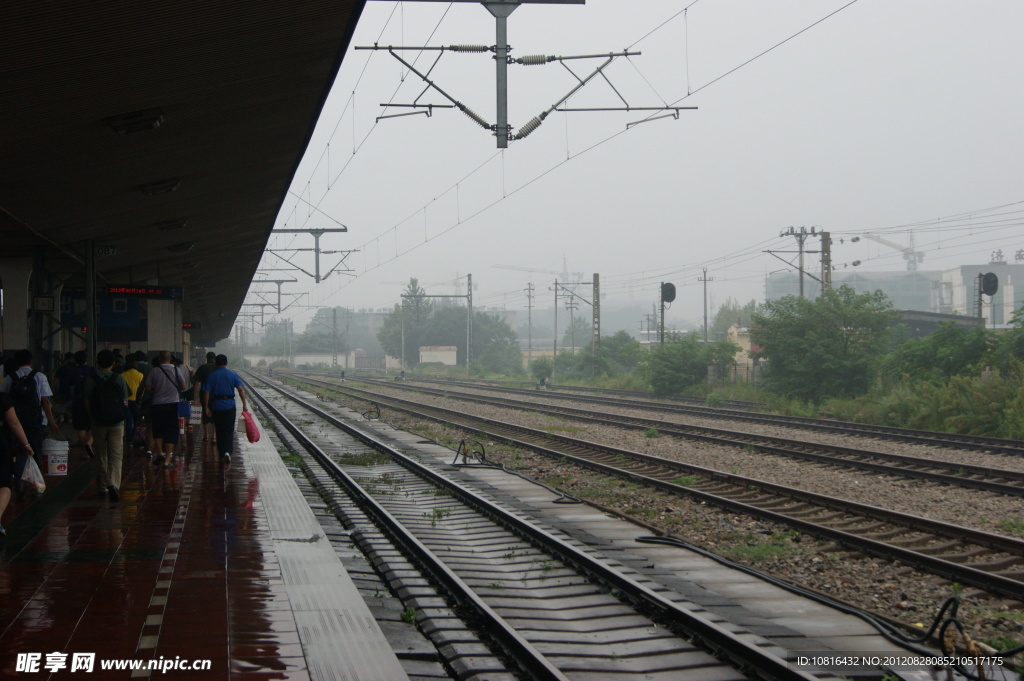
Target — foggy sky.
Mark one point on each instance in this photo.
(883, 115)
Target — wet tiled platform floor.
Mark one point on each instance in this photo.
(186, 566)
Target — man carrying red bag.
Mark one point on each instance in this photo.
(218, 397)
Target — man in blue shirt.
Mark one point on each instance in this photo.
(218, 396)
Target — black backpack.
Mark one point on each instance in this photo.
(107, 402)
(26, 401)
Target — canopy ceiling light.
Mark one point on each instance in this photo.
(159, 187)
(137, 121)
(168, 225)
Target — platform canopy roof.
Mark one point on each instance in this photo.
(169, 130)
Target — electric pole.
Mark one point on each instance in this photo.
(334, 327)
(529, 323)
(469, 320)
(826, 261)
(705, 279)
(554, 346)
(800, 236)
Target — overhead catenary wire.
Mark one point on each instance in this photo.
(506, 192)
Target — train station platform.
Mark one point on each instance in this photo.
(207, 570)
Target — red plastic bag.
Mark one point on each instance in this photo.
(251, 430)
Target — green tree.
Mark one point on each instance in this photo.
(325, 332)
(677, 364)
(1008, 353)
(578, 333)
(821, 348)
(939, 356)
(541, 368)
(407, 320)
(731, 312)
(274, 342)
(622, 349)
(495, 346)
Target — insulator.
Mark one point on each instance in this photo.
(469, 48)
(534, 59)
(530, 126)
(472, 114)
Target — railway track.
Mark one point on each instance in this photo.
(989, 562)
(924, 437)
(998, 481)
(555, 609)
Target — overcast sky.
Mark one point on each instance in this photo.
(887, 114)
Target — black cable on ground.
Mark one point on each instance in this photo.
(481, 461)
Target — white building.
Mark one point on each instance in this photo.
(445, 354)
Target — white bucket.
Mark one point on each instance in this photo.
(56, 453)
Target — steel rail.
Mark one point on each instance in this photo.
(995, 583)
(521, 650)
(750, 659)
(773, 445)
(926, 437)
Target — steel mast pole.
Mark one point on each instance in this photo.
(501, 11)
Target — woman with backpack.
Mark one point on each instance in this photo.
(104, 398)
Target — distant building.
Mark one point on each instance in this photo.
(960, 289)
(952, 292)
(918, 290)
(445, 354)
(746, 369)
(919, 324)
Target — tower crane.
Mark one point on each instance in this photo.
(910, 254)
(564, 274)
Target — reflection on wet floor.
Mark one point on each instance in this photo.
(182, 566)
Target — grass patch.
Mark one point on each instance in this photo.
(1012, 526)
(755, 553)
(651, 433)
(437, 514)
(364, 459)
(686, 481)
(572, 430)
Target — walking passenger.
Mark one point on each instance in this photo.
(145, 400)
(166, 383)
(219, 403)
(105, 396)
(13, 441)
(79, 414)
(198, 379)
(62, 388)
(132, 413)
(30, 393)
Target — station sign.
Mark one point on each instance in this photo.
(151, 292)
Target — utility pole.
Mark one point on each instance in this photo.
(554, 341)
(529, 323)
(705, 279)
(469, 319)
(334, 327)
(348, 319)
(826, 261)
(596, 347)
(801, 236)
